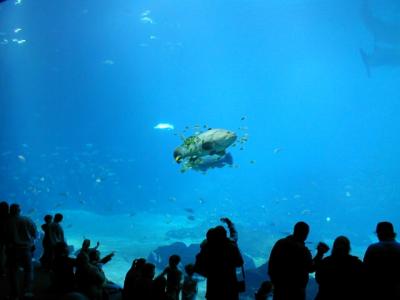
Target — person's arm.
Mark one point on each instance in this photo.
(233, 234)
(106, 258)
(322, 248)
(164, 272)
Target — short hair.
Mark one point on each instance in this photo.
(4, 208)
(220, 232)
(174, 260)
(189, 268)
(58, 217)
(48, 218)
(341, 246)
(301, 228)
(385, 231)
(14, 209)
(148, 270)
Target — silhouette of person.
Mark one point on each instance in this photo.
(4, 240)
(90, 278)
(174, 277)
(189, 287)
(340, 275)
(382, 263)
(56, 232)
(47, 255)
(23, 233)
(159, 288)
(217, 260)
(144, 287)
(290, 263)
(132, 277)
(63, 269)
(264, 291)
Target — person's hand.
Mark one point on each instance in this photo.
(322, 248)
(86, 244)
(226, 221)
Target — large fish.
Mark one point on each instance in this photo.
(384, 25)
(210, 142)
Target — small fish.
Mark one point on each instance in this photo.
(18, 2)
(109, 62)
(189, 210)
(277, 150)
(243, 118)
(147, 20)
(16, 30)
(348, 194)
(328, 219)
(172, 199)
(164, 126)
(252, 161)
(153, 37)
(21, 158)
(21, 42)
(145, 13)
(191, 218)
(98, 180)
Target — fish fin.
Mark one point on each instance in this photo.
(182, 137)
(221, 153)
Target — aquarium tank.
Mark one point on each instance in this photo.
(145, 122)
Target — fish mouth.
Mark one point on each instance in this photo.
(178, 156)
(231, 137)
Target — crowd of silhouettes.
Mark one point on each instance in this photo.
(81, 276)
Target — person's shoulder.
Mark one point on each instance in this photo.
(26, 219)
(355, 259)
(374, 246)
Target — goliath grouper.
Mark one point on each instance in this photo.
(210, 142)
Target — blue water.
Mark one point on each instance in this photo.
(80, 97)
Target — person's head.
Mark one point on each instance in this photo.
(94, 255)
(58, 218)
(174, 260)
(341, 246)
(220, 233)
(189, 269)
(385, 231)
(4, 209)
(301, 230)
(138, 263)
(48, 218)
(85, 244)
(148, 270)
(15, 210)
